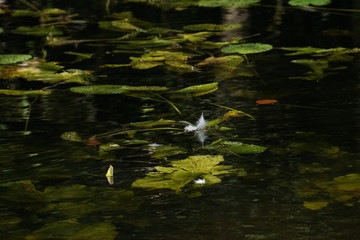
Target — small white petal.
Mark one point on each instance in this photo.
(201, 123)
(200, 181)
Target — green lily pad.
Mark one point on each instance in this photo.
(229, 63)
(197, 37)
(109, 147)
(236, 147)
(194, 91)
(14, 58)
(304, 3)
(342, 188)
(24, 92)
(118, 25)
(20, 192)
(162, 152)
(247, 48)
(119, 89)
(71, 136)
(37, 31)
(212, 27)
(98, 89)
(315, 205)
(73, 230)
(182, 172)
(227, 3)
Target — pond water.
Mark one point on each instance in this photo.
(284, 169)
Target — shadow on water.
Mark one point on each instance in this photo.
(304, 186)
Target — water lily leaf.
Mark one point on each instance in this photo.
(14, 58)
(37, 31)
(247, 48)
(184, 172)
(158, 58)
(229, 63)
(196, 37)
(71, 75)
(236, 148)
(118, 25)
(24, 92)
(98, 89)
(200, 164)
(227, 3)
(342, 188)
(196, 90)
(28, 68)
(71, 136)
(20, 192)
(315, 205)
(162, 152)
(73, 230)
(148, 43)
(304, 3)
(119, 89)
(318, 51)
(109, 147)
(212, 27)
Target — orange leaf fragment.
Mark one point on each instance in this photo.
(92, 142)
(266, 101)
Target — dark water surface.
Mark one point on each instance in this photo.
(50, 186)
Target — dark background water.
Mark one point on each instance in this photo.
(263, 205)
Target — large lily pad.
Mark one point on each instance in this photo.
(162, 152)
(13, 58)
(247, 48)
(304, 3)
(227, 3)
(183, 172)
(194, 91)
(118, 89)
(236, 147)
(342, 188)
(37, 31)
(212, 27)
(24, 92)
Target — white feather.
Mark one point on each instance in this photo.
(200, 125)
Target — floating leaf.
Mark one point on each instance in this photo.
(212, 27)
(196, 37)
(227, 3)
(38, 31)
(247, 48)
(14, 58)
(20, 192)
(118, 25)
(24, 92)
(266, 101)
(73, 230)
(196, 90)
(162, 152)
(304, 3)
(71, 136)
(229, 63)
(109, 147)
(184, 172)
(98, 89)
(110, 171)
(342, 188)
(236, 148)
(315, 205)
